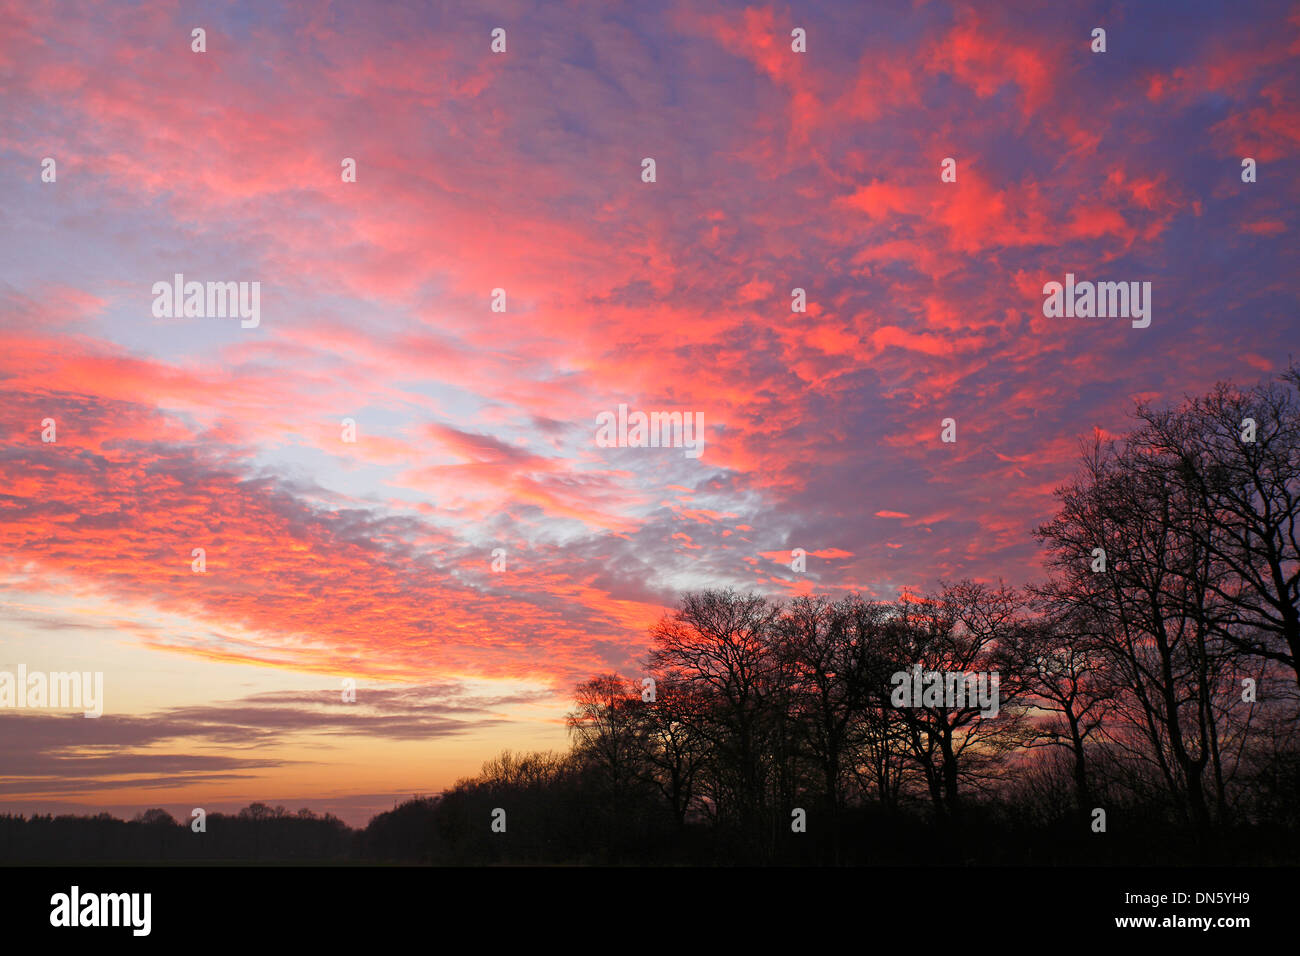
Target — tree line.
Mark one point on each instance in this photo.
(1146, 697)
(1148, 688)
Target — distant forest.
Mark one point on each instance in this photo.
(1147, 712)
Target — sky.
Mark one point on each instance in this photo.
(375, 560)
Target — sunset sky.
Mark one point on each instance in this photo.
(522, 171)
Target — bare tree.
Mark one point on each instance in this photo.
(1236, 458)
(718, 643)
(676, 750)
(1125, 556)
(960, 631)
(1066, 676)
(606, 729)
